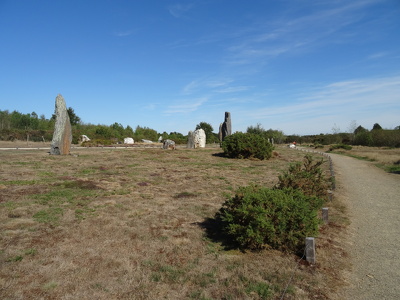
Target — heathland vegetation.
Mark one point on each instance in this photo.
(30, 126)
(149, 223)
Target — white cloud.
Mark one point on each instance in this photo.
(233, 89)
(378, 55)
(178, 10)
(188, 106)
(124, 33)
(287, 35)
(205, 85)
(338, 102)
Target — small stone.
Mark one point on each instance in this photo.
(169, 144)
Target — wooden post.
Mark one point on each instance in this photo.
(325, 215)
(310, 250)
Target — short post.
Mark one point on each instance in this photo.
(310, 250)
(330, 195)
(325, 217)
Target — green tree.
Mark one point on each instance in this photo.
(117, 130)
(5, 119)
(128, 131)
(277, 135)
(359, 129)
(34, 121)
(363, 138)
(145, 133)
(258, 129)
(208, 129)
(73, 118)
(376, 127)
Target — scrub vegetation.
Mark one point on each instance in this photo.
(139, 223)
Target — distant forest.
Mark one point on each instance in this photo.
(32, 127)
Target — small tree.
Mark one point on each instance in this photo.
(307, 176)
(208, 129)
(359, 129)
(376, 127)
(73, 118)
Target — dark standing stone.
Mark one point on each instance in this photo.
(226, 128)
(62, 136)
(190, 143)
(220, 132)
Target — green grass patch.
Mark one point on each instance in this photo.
(15, 258)
(49, 216)
(19, 182)
(262, 289)
(395, 168)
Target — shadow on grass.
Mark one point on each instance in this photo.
(220, 154)
(214, 232)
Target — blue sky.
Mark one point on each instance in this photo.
(300, 66)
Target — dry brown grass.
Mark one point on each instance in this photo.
(133, 224)
(383, 157)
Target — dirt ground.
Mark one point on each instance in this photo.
(373, 198)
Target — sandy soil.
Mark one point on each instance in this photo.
(373, 199)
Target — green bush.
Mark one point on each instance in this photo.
(247, 145)
(340, 146)
(97, 143)
(308, 177)
(256, 217)
(363, 138)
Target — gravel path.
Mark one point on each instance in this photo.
(373, 199)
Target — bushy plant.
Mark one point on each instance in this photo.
(340, 146)
(307, 176)
(256, 217)
(247, 145)
(96, 143)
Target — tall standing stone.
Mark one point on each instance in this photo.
(220, 133)
(190, 143)
(226, 128)
(199, 138)
(196, 139)
(62, 136)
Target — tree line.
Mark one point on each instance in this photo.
(18, 126)
(360, 136)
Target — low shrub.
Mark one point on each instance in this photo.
(257, 217)
(316, 146)
(97, 143)
(247, 145)
(340, 146)
(308, 177)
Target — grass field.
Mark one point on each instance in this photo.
(383, 157)
(137, 224)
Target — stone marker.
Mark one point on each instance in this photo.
(62, 136)
(220, 133)
(84, 138)
(190, 143)
(226, 128)
(196, 139)
(169, 144)
(129, 141)
(310, 250)
(199, 138)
